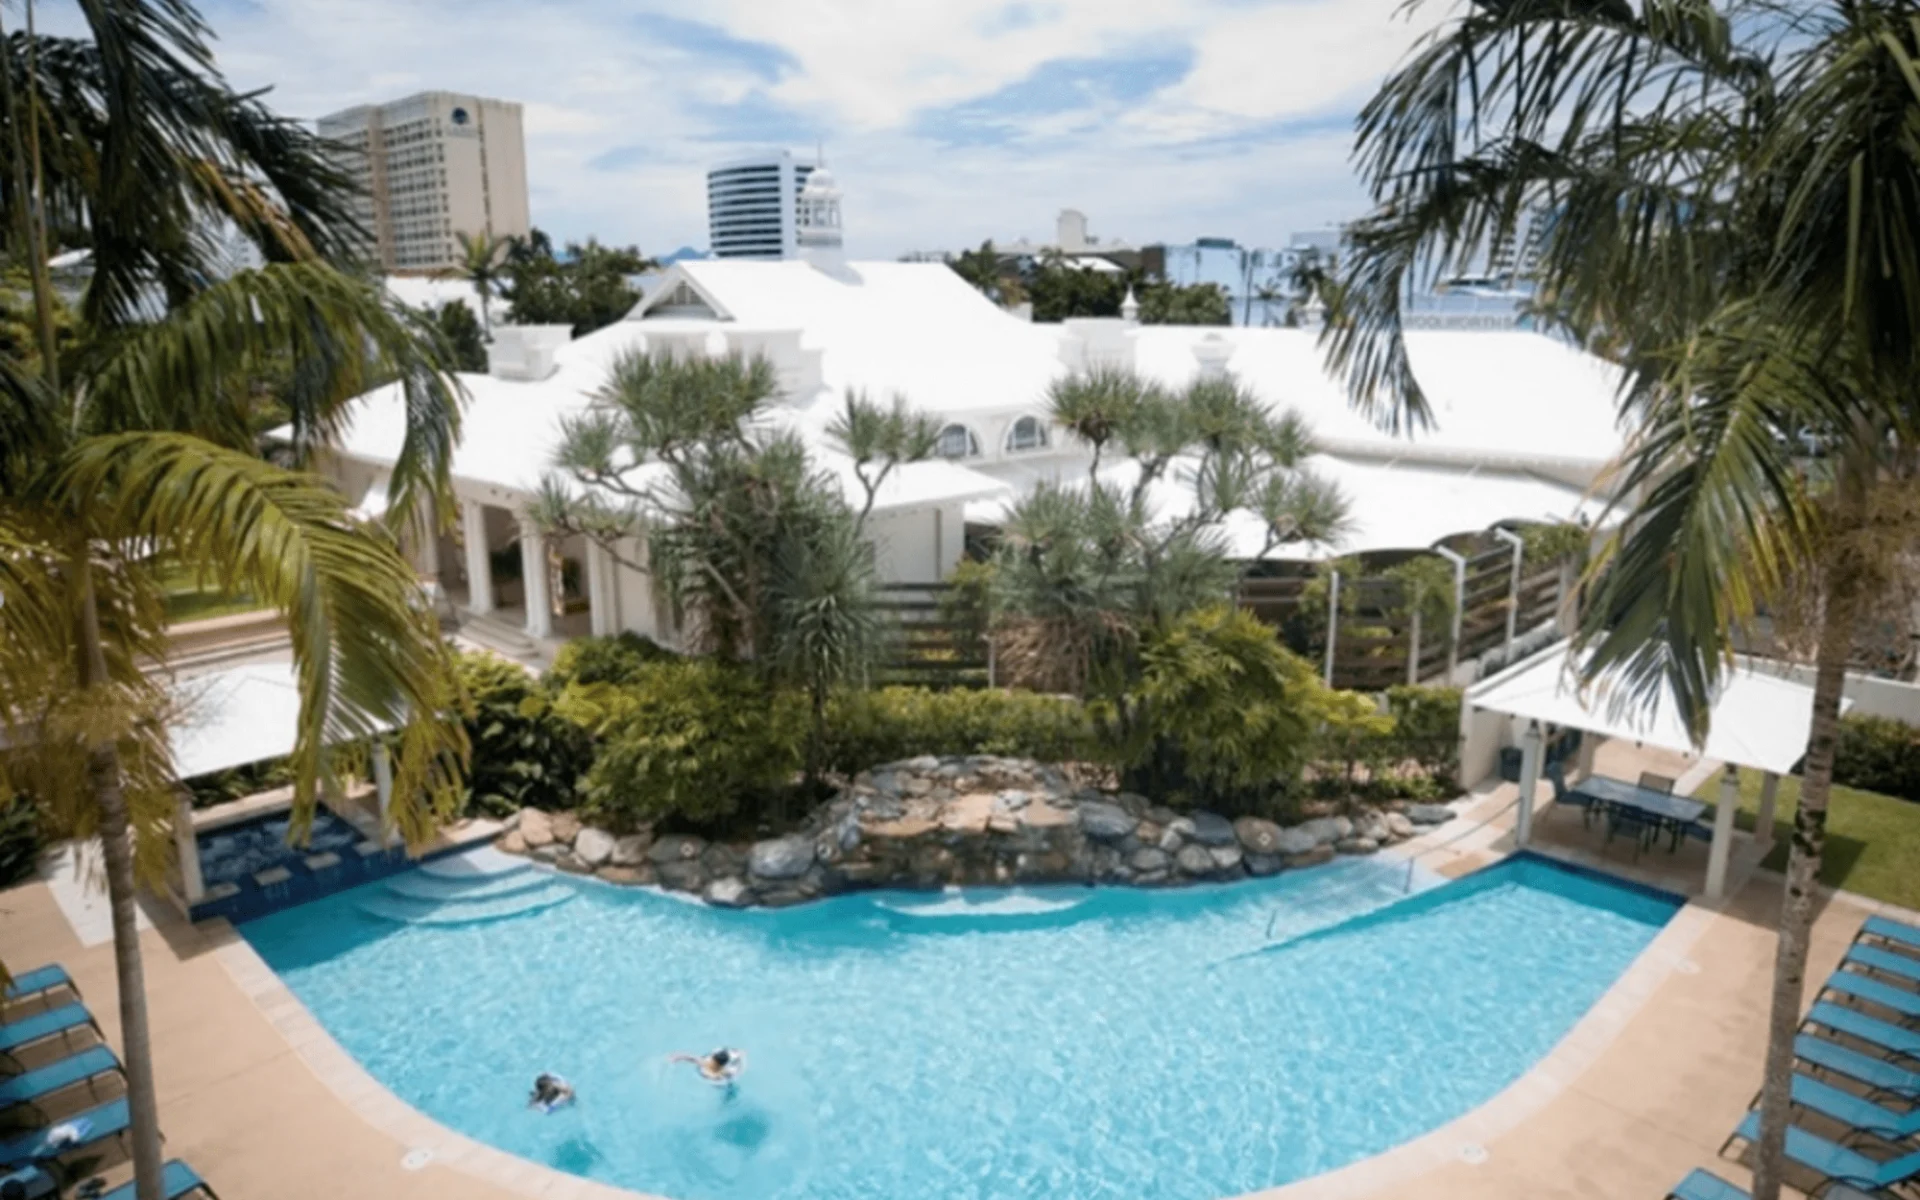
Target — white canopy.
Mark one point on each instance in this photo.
(229, 718)
(1758, 720)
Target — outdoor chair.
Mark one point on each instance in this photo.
(1834, 1163)
(1898, 934)
(1892, 1040)
(1557, 776)
(1856, 986)
(36, 1086)
(1702, 1184)
(177, 1180)
(1656, 783)
(41, 979)
(17, 1035)
(1855, 1112)
(1644, 827)
(1882, 1077)
(101, 1123)
(1880, 961)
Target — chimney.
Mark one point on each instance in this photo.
(525, 352)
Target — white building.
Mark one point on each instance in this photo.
(751, 206)
(1526, 424)
(430, 166)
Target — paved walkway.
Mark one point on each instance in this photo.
(1644, 1089)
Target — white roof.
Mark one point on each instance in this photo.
(229, 718)
(1758, 720)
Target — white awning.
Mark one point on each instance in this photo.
(230, 718)
(1757, 720)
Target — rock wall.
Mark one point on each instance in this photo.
(933, 822)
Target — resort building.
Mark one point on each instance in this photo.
(751, 206)
(432, 166)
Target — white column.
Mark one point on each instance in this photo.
(1413, 649)
(383, 788)
(1532, 751)
(1722, 846)
(1513, 586)
(1763, 820)
(533, 580)
(599, 591)
(1459, 608)
(473, 522)
(1333, 622)
(193, 885)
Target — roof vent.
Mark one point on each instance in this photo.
(525, 351)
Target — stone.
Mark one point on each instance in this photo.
(566, 827)
(1328, 829)
(593, 847)
(904, 829)
(1312, 858)
(1294, 841)
(630, 851)
(784, 898)
(1264, 864)
(1194, 860)
(1429, 814)
(536, 828)
(969, 815)
(1226, 858)
(1161, 816)
(1257, 836)
(721, 860)
(676, 847)
(1170, 840)
(1211, 829)
(915, 786)
(1373, 827)
(730, 892)
(1042, 815)
(1356, 845)
(571, 863)
(780, 858)
(1149, 858)
(1135, 804)
(1399, 825)
(548, 853)
(685, 875)
(512, 842)
(923, 764)
(622, 875)
(1106, 822)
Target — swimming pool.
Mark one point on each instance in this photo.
(1071, 1043)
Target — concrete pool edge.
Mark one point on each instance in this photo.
(412, 1130)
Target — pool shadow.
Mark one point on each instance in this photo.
(576, 1156)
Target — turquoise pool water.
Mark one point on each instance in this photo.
(1070, 1044)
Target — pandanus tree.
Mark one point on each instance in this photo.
(1727, 203)
(127, 449)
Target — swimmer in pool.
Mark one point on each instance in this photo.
(722, 1066)
(550, 1092)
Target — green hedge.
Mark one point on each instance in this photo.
(888, 724)
(524, 754)
(1877, 754)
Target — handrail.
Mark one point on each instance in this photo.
(1474, 828)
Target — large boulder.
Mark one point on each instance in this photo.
(1264, 864)
(676, 847)
(1105, 822)
(621, 875)
(780, 858)
(730, 892)
(1399, 825)
(1257, 836)
(1194, 860)
(512, 842)
(683, 874)
(536, 828)
(1356, 845)
(1148, 859)
(593, 847)
(1312, 858)
(1429, 814)
(1326, 830)
(630, 851)
(1211, 829)
(1296, 841)
(1225, 858)
(566, 827)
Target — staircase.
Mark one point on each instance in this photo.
(462, 889)
(501, 637)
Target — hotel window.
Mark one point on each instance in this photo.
(1028, 433)
(957, 441)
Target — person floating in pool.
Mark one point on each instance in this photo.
(722, 1067)
(549, 1093)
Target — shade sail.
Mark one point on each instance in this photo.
(1758, 720)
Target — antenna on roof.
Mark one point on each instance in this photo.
(820, 152)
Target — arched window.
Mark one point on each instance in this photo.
(1028, 433)
(957, 441)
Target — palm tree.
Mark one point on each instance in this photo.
(878, 441)
(1728, 214)
(483, 263)
(127, 447)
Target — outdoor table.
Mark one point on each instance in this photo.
(1667, 810)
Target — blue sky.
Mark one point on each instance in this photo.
(947, 121)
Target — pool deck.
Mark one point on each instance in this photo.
(265, 1105)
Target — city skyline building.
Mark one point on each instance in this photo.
(752, 206)
(431, 166)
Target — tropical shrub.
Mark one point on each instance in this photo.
(222, 787)
(693, 741)
(1877, 754)
(19, 839)
(617, 659)
(1222, 716)
(1426, 728)
(524, 753)
(888, 724)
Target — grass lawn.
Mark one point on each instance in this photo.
(1873, 841)
(188, 601)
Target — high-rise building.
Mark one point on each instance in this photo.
(751, 206)
(431, 166)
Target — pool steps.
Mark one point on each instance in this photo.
(480, 885)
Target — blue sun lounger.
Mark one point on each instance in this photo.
(1897, 1042)
(1880, 960)
(1886, 995)
(40, 979)
(1705, 1185)
(108, 1120)
(15, 1035)
(1883, 1077)
(35, 1086)
(1853, 1111)
(1897, 933)
(1835, 1162)
(177, 1180)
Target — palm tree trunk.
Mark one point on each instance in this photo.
(116, 839)
(1803, 866)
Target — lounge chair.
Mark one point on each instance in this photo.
(1853, 1111)
(16, 1035)
(40, 979)
(1834, 1163)
(1886, 995)
(1883, 1077)
(1886, 929)
(1705, 1185)
(105, 1121)
(176, 1181)
(37, 1085)
(1878, 960)
(1897, 1042)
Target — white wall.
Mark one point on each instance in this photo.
(917, 545)
(633, 589)
(1871, 696)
